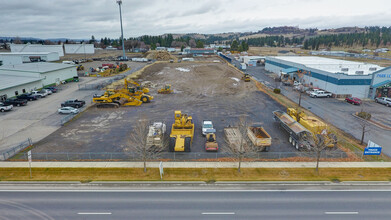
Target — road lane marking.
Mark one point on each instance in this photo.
(218, 213)
(94, 213)
(341, 213)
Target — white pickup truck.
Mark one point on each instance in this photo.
(383, 100)
(319, 94)
(207, 127)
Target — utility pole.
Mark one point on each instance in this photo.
(119, 2)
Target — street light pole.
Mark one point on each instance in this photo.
(122, 31)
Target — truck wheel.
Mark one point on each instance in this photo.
(2, 110)
(328, 96)
(293, 142)
(77, 106)
(145, 99)
(171, 146)
(266, 149)
(388, 105)
(290, 139)
(315, 96)
(187, 144)
(297, 146)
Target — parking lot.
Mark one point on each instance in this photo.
(39, 118)
(211, 91)
(337, 111)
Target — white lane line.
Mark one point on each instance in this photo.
(194, 190)
(218, 213)
(94, 213)
(341, 213)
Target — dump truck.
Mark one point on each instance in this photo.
(155, 137)
(314, 125)
(182, 133)
(111, 98)
(259, 137)
(297, 132)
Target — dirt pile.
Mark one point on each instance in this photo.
(160, 55)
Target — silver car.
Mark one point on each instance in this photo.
(68, 110)
(384, 100)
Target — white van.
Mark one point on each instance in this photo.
(68, 62)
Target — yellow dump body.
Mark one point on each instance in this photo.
(182, 128)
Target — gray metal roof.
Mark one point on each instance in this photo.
(26, 53)
(40, 67)
(9, 81)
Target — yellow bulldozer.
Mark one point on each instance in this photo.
(165, 90)
(246, 77)
(182, 133)
(111, 98)
(137, 92)
(314, 125)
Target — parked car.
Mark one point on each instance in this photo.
(15, 102)
(206, 126)
(28, 97)
(39, 93)
(73, 103)
(296, 83)
(48, 91)
(4, 107)
(313, 90)
(353, 100)
(68, 110)
(383, 100)
(53, 89)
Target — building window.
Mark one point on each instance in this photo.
(24, 91)
(372, 69)
(344, 69)
(359, 72)
(16, 93)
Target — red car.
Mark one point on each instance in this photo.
(353, 100)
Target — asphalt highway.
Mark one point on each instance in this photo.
(194, 204)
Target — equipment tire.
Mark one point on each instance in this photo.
(145, 99)
(171, 146)
(297, 146)
(293, 142)
(266, 149)
(187, 144)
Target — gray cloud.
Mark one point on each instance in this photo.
(83, 18)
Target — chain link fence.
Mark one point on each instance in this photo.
(4, 155)
(188, 156)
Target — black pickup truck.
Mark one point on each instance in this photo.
(73, 103)
(15, 102)
(27, 96)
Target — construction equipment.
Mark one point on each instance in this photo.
(314, 125)
(298, 134)
(156, 135)
(165, 90)
(80, 67)
(111, 98)
(137, 92)
(182, 133)
(246, 77)
(259, 137)
(211, 142)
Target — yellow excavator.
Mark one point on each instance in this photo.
(182, 133)
(165, 90)
(111, 98)
(314, 125)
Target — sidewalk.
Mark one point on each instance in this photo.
(198, 164)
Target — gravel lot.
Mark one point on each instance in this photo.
(203, 90)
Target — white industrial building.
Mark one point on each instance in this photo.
(79, 48)
(340, 77)
(27, 57)
(37, 48)
(18, 79)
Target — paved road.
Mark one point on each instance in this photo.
(195, 205)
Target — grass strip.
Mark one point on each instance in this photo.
(196, 174)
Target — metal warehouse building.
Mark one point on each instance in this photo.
(18, 79)
(27, 57)
(340, 77)
(37, 48)
(79, 48)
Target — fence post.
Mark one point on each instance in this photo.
(46, 156)
(67, 156)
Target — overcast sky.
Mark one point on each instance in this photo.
(83, 18)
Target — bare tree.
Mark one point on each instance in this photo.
(140, 144)
(237, 141)
(317, 143)
(364, 121)
(192, 43)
